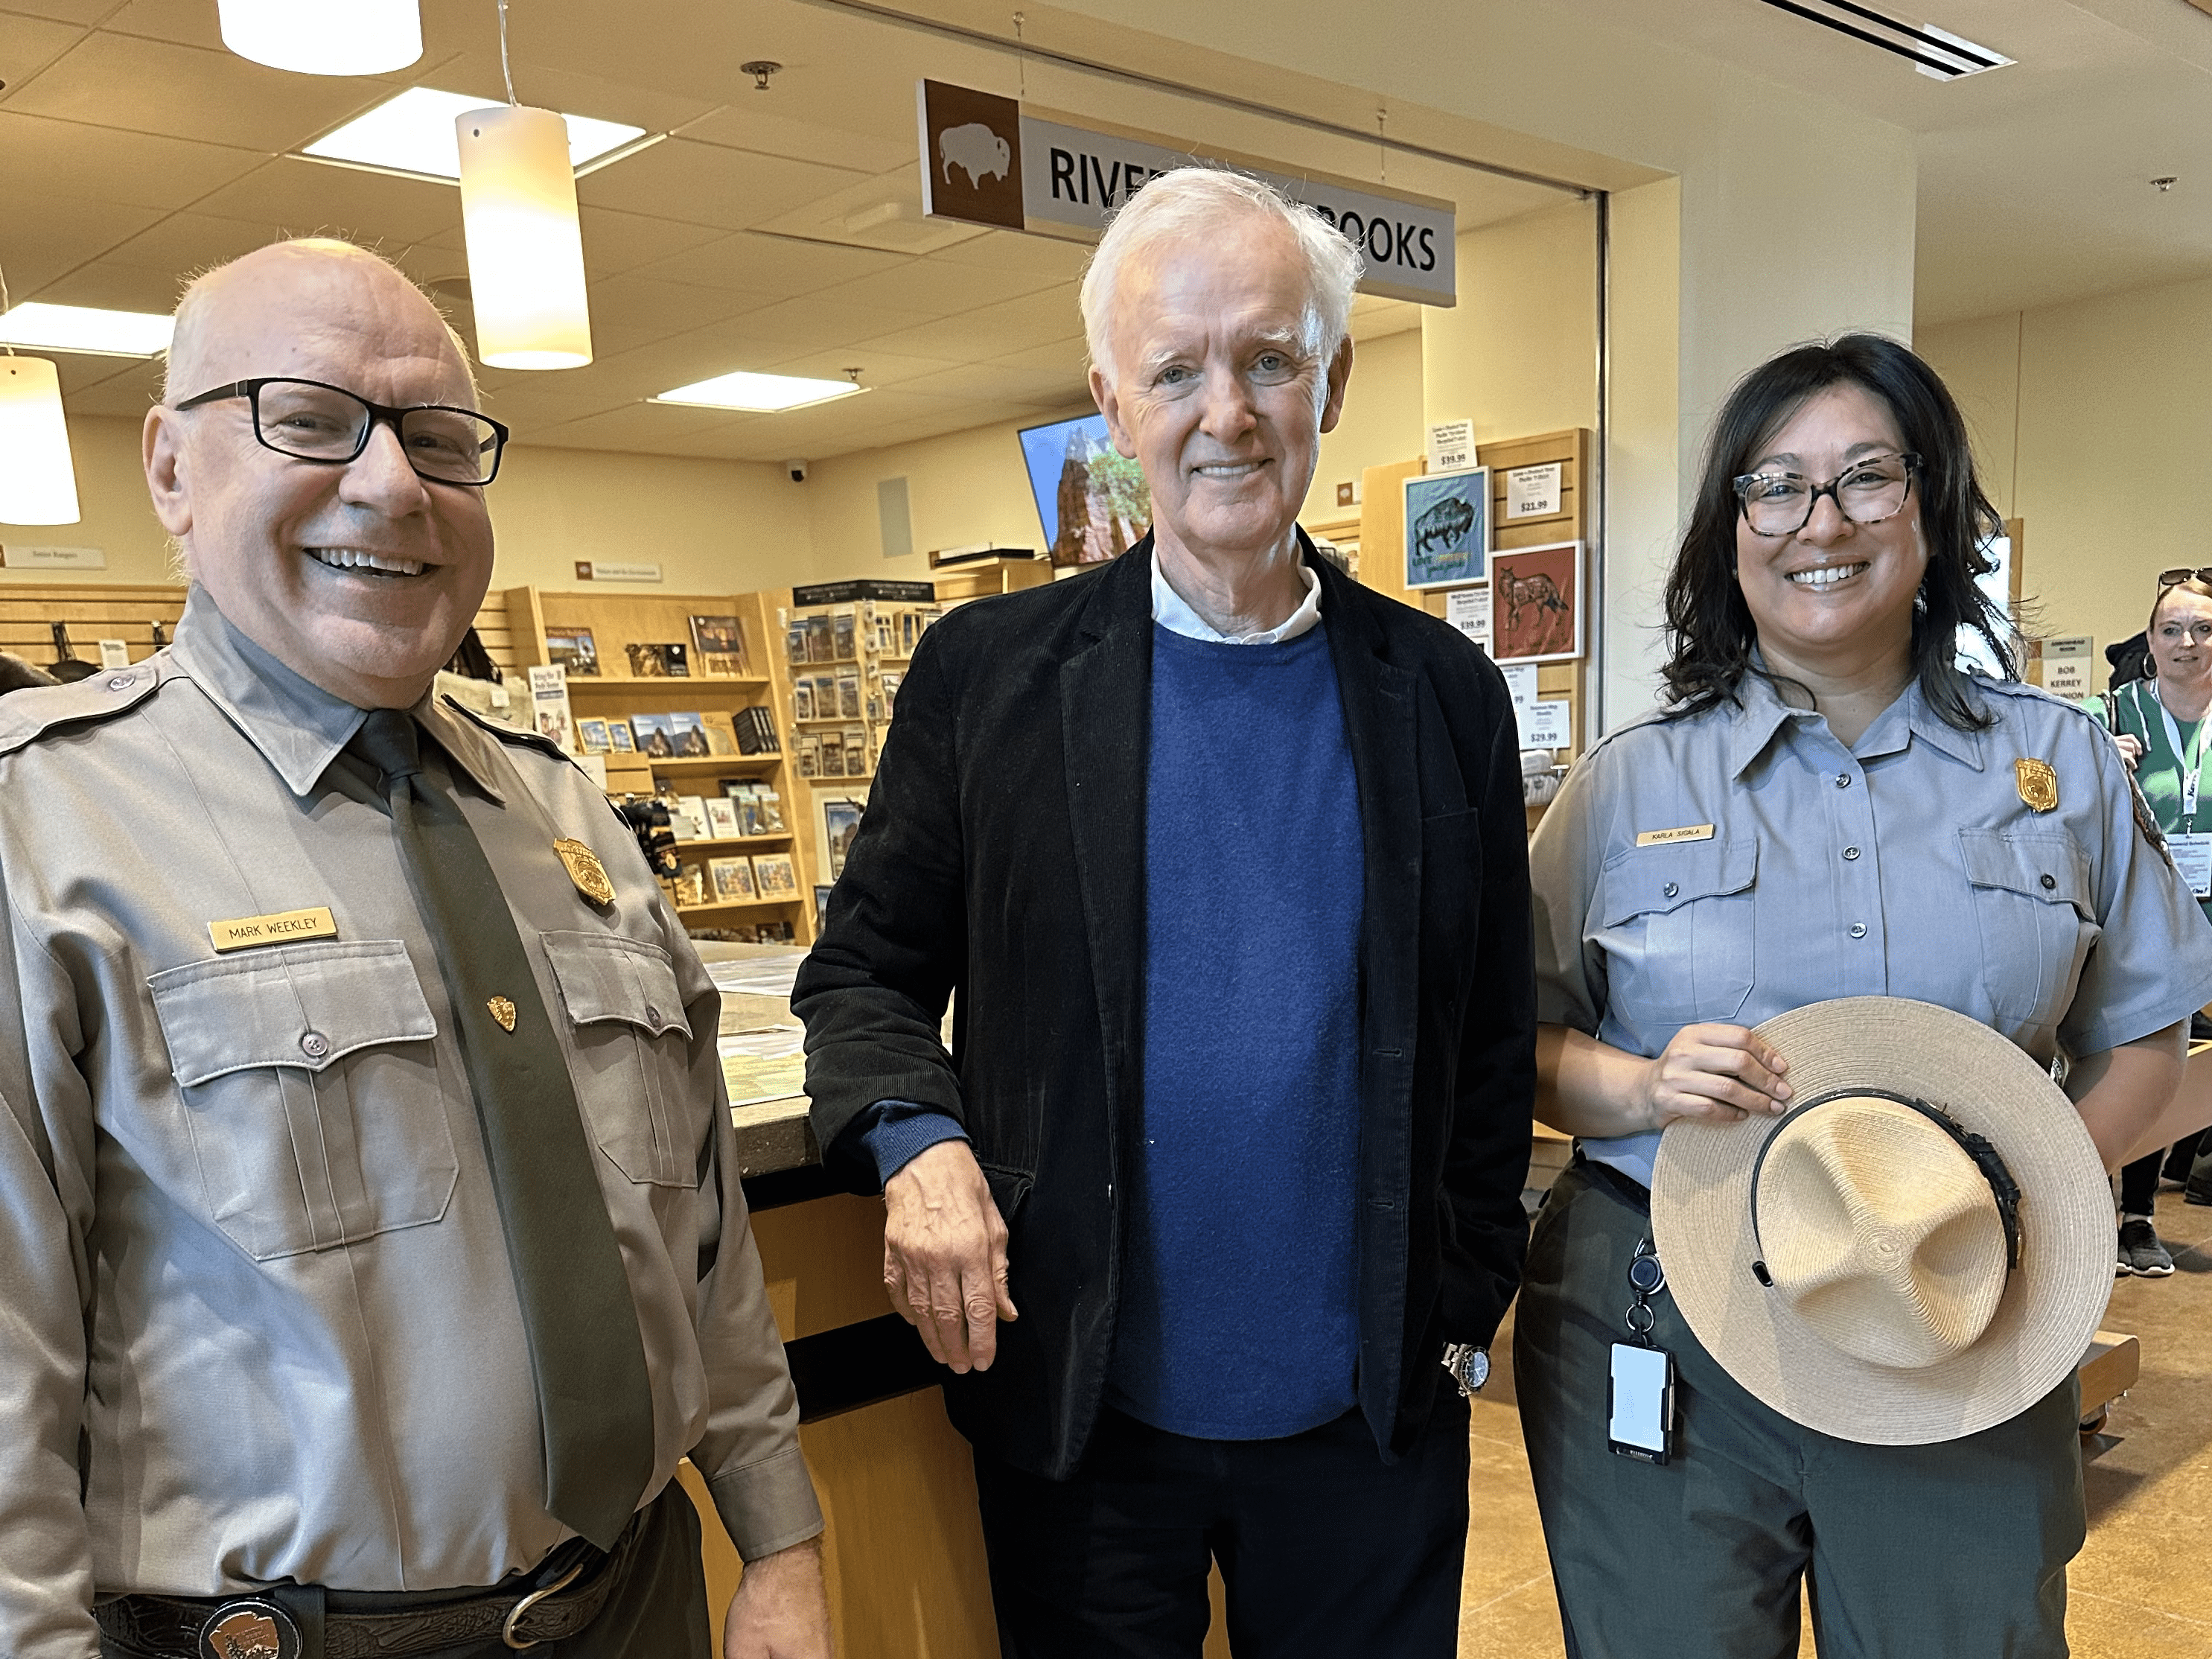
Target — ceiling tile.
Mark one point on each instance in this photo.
(883, 211)
(106, 164)
(84, 12)
(114, 287)
(644, 426)
(779, 264)
(992, 382)
(928, 285)
(128, 393)
(182, 244)
(187, 22)
(183, 92)
(631, 311)
(814, 323)
(706, 185)
(1051, 257)
(1072, 354)
(615, 241)
(991, 331)
(762, 125)
(877, 368)
(28, 45)
(47, 237)
(309, 198)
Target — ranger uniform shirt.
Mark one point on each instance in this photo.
(259, 1321)
(1735, 864)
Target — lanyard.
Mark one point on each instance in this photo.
(2192, 766)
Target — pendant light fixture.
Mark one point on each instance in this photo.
(38, 484)
(525, 246)
(324, 36)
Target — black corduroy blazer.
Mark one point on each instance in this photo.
(1002, 858)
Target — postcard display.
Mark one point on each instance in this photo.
(845, 648)
(681, 697)
(1500, 550)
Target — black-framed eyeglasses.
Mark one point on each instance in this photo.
(1866, 492)
(310, 421)
(2174, 578)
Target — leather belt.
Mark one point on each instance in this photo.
(256, 1627)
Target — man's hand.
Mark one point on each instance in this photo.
(780, 1610)
(2130, 747)
(945, 1255)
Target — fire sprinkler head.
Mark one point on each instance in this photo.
(760, 69)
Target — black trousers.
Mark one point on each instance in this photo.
(657, 1608)
(1325, 1549)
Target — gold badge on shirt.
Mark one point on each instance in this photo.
(586, 871)
(503, 1012)
(2038, 784)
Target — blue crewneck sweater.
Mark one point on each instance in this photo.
(1238, 1315)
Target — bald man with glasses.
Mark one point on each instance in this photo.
(376, 1249)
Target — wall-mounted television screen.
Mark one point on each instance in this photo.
(1093, 500)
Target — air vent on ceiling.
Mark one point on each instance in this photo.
(1933, 52)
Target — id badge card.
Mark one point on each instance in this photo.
(1640, 1402)
(2192, 857)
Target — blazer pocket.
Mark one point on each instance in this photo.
(312, 1101)
(630, 1055)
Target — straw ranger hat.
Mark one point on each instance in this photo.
(1919, 1249)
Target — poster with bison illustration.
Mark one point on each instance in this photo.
(1447, 527)
(1536, 603)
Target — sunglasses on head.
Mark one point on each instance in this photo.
(2175, 578)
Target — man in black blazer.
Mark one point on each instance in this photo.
(1225, 857)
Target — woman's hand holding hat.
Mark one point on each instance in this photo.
(1718, 1074)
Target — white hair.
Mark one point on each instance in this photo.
(1191, 202)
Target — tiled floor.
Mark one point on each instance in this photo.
(2142, 1588)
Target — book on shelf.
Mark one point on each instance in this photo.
(690, 884)
(719, 642)
(573, 649)
(549, 715)
(646, 661)
(843, 633)
(856, 751)
(721, 730)
(833, 755)
(756, 731)
(794, 641)
(760, 808)
(774, 876)
(687, 817)
(802, 699)
(849, 696)
(687, 735)
(890, 683)
(676, 660)
(732, 878)
(655, 734)
(593, 735)
(818, 647)
(620, 740)
(810, 754)
(840, 822)
(721, 818)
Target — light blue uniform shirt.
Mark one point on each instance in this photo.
(1905, 865)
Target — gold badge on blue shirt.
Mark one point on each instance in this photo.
(585, 870)
(2038, 784)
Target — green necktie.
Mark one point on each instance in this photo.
(577, 1312)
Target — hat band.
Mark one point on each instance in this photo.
(2003, 1188)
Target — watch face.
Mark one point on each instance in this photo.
(1478, 1367)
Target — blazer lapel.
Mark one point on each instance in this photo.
(1105, 710)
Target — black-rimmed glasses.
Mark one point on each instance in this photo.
(1866, 492)
(310, 421)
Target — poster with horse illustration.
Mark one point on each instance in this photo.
(1447, 527)
(1536, 603)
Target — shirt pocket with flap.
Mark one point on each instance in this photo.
(311, 1093)
(630, 1055)
(2034, 909)
(1674, 921)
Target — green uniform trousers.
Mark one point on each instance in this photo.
(1955, 1551)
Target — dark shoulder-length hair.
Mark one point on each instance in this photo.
(1709, 633)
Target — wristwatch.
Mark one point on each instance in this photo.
(1469, 1366)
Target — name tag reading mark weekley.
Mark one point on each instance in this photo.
(1687, 832)
(283, 927)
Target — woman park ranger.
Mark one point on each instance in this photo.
(1825, 808)
(2158, 723)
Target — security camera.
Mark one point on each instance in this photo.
(798, 470)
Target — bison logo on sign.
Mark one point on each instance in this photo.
(1447, 527)
(976, 151)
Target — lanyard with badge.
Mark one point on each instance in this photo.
(2192, 850)
(1640, 1395)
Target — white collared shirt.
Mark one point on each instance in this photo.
(1174, 613)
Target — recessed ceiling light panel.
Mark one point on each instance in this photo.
(413, 133)
(85, 328)
(765, 394)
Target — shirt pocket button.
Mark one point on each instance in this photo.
(314, 1045)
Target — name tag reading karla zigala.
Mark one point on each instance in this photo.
(1686, 832)
(281, 927)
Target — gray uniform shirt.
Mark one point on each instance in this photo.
(257, 1298)
(1907, 864)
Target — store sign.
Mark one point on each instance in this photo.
(981, 155)
(2068, 659)
(608, 571)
